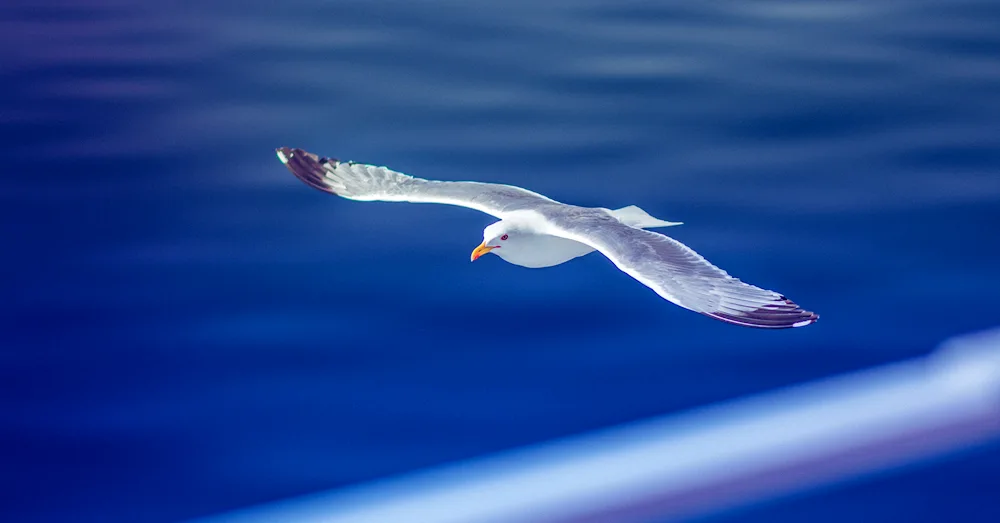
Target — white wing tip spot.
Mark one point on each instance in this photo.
(281, 156)
(803, 323)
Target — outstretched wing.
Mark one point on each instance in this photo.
(676, 272)
(358, 181)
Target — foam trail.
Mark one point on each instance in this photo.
(700, 461)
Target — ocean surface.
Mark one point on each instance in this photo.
(185, 328)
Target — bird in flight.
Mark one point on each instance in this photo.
(535, 231)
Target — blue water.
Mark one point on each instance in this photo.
(187, 329)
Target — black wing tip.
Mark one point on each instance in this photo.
(784, 315)
(306, 166)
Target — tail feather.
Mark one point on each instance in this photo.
(636, 217)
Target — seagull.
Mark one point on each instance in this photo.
(536, 231)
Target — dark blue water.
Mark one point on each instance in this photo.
(187, 329)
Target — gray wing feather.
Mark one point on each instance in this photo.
(358, 181)
(678, 273)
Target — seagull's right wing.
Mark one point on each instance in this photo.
(676, 272)
(358, 181)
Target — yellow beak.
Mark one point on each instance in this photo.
(481, 250)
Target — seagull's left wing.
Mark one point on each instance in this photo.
(358, 181)
(676, 272)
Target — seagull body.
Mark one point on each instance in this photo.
(535, 248)
(535, 231)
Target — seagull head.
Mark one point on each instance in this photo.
(495, 236)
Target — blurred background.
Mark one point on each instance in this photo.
(187, 329)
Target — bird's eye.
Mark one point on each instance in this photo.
(504, 237)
